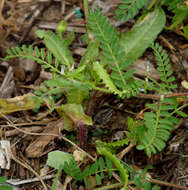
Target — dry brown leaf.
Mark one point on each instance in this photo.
(37, 147)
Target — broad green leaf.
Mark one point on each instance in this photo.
(3, 179)
(76, 96)
(143, 34)
(57, 159)
(76, 113)
(5, 187)
(155, 188)
(67, 122)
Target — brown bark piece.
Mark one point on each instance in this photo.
(36, 148)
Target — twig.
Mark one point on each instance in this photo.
(158, 96)
(125, 151)
(21, 182)
(29, 168)
(115, 185)
(167, 184)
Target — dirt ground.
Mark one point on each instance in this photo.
(25, 130)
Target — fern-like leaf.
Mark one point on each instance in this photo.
(91, 172)
(164, 68)
(58, 48)
(41, 57)
(113, 56)
(158, 125)
(129, 8)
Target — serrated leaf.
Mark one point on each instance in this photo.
(138, 182)
(43, 55)
(94, 168)
(30, 49)
(143, 34)
(98, 68)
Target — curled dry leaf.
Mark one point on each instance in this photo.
(78, 155)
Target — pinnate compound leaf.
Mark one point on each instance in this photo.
(56, 45)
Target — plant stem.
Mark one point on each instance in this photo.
(56, 179)
(102, 89)
(86, 9)
(110, 186)
(152, 4)
(181, 107)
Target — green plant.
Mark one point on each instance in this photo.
(105, 67)
(179, 8)
(129, 8)
(152, 133)
(180, 11)
(140, 179)
(158, 123)
(3, 179)
(164, 70)
(113, 56)
(77, 82)
(94, 172)
(92, 175)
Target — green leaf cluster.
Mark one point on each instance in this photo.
(140, 177)
(113, 57)
(159, 122)
(94, 172)
(180, 10)
(128, 9)
(164, 69)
